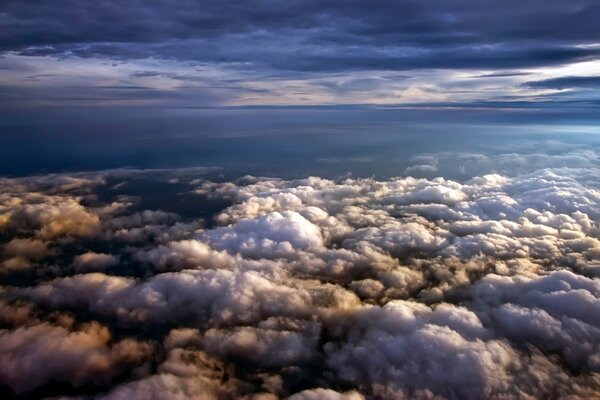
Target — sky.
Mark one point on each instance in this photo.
(94, 85)
(304, 200)
(214, 53)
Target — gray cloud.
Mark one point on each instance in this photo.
(570, 82)
(94, 261)
(329, 37)
(202, 55)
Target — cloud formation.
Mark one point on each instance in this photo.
(309, 288)
(316, 52)
(465, 34)
(34, 355)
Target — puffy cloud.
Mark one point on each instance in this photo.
(326, 394)
(421, 169)
(185, 374)
(20, 253)
(26, 248)
(31, 356)
(410, 348)
(49, 216)
(186, 253)
(216, 296)
(277, 233)
(557, 312)
(308, 288)
(400, 239)
(263, 347)
(94, 261)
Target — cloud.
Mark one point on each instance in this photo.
(421, 169)
(556, 312)
(186, 253)
(216, 296)
(311, 53)
(21, 254)
(326, 394)
(322, 33)
(27, 248)
(50, 215)
(308, 288)
(183, 375)
(264, 347)
(408, 347)
(568, 82)
(278, 233)
(31, 356)
(94, 261)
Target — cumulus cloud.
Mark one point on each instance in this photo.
(27, 248)
(217, 296)
(274, 233)
(264, 347)
(21, 253)
(31, 356)
(556, 312)
(48, 215)
(185, 374)
(94, 261)
(309, 288)
(325, 394)
(186, 253)
(409, 348)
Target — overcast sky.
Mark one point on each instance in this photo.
(215, 53)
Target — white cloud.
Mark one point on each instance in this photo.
(399, 288)
(277, 233)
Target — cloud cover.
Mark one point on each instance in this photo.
(310, 52)
(308, 288)
(437, 35)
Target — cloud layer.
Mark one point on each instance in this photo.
(310, 288)
(436, 35)
(309, 53)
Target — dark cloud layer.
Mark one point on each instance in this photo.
(571, 82)
(315, 35)
(405, 288)
(214, 53)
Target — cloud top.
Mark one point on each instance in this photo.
(309, 288)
